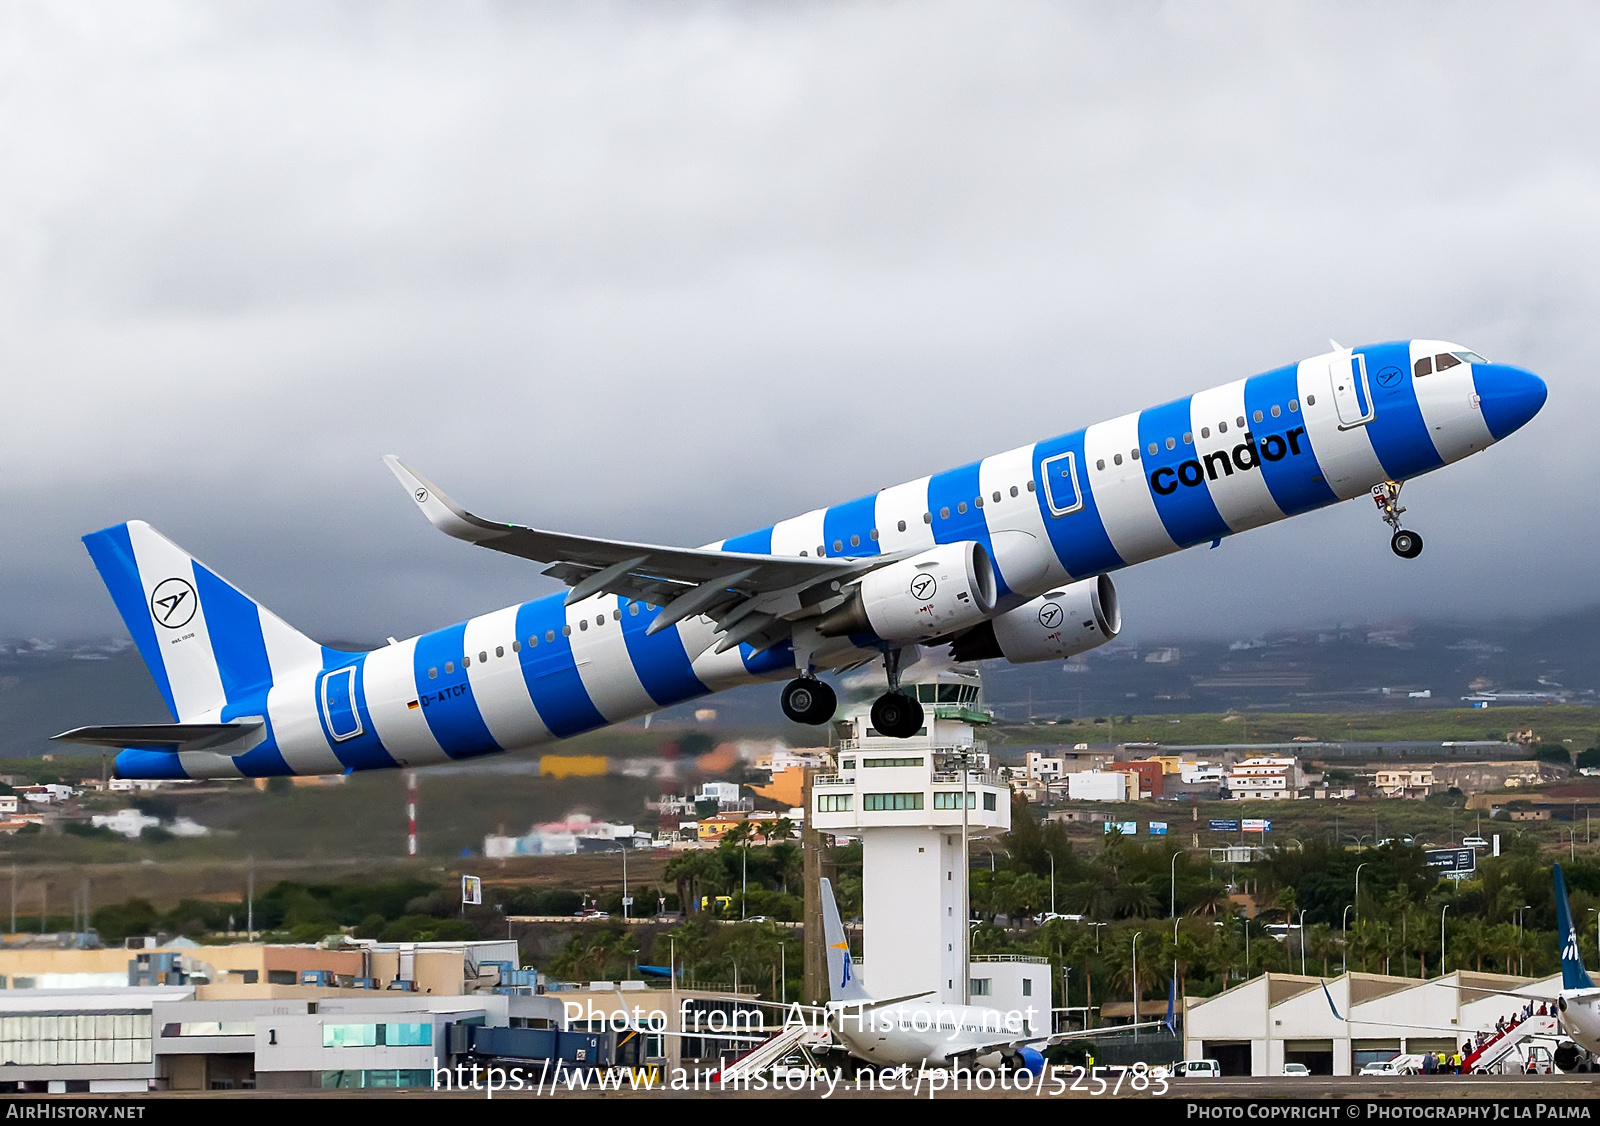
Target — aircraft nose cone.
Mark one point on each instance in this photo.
(1508, 396)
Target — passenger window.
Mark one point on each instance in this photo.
(1117, 458)
(600, 620)
(533, 641)
(449, 666)
(804, 554)
(1134, 453)
(483, 656)
(550, 634)
(977, 502)
(1423, 367)
(1205, 432)
(1445, 361)
(873, 533)
(902, 525)
(944, 514)
(961, 506)
(1294, 405)
(855, 541)
(1100, 463)
(821, 551)
(466, 662)
(499, 650)
(1188, 439)
(927, 518)
(1013, 490)
(1241, 422)
(1311, 400)
(516, 646)
(433, 674)
(838, 546)
(633, 608)
(566, 631)
(616, 615)
(1256, 416)
(1222, 428)
(1030, 485)
(1172, 443)
(1275, 411)
(997, 496)
(583, 624)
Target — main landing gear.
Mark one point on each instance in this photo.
(1406, 544)
(896, 714)
(808, 700)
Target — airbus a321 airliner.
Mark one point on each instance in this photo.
(1007, 557)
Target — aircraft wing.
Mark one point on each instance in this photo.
(751, 597)
(1039, 1043)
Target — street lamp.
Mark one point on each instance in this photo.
(1441, 939)
(1172, 885)
(1344, 943)
(1357, 904)
(1136, 935)
(1097, 934)
(1052, 857)
(1302, 942)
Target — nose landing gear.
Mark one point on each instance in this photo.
(1406, 544)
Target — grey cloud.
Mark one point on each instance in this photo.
(675, 272)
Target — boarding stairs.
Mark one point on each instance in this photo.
(766, 1054)
(1495, 1051)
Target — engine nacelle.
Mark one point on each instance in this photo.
(945, 589)
(1052, 627)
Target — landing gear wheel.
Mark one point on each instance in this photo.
(1407, 545)
(896, 715)
(807, 700)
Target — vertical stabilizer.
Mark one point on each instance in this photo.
(207, 644)
(842, 982)
(1573, 975)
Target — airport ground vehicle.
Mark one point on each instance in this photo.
(1296, 1069)
(1197, 1069)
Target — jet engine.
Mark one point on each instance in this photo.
(941, 591)
(1052, 627)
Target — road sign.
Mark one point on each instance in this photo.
(1449, 860)
(1257, 825)
(1223, 825)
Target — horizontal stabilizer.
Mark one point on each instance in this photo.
(164, 736)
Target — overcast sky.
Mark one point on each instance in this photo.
(669, 272)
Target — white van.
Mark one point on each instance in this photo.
(1198, 1069)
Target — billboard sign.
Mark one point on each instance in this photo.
(1451, 859)
(1222, 825)
(1158, 828)
(1257, 825)
(471, 891)
(1126, 828)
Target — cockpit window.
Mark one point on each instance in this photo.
(1469, 357)
(1444, 361)
(1423, 367)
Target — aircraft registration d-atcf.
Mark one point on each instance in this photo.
(1007, 557)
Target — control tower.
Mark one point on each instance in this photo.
(903, 799)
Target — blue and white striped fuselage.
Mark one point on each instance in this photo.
(1078, 505)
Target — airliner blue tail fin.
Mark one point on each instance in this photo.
(207, 644)
(1573, 975)
(842, 982)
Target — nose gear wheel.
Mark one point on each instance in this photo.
(1406, 544)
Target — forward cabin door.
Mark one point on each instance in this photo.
(1351, 395)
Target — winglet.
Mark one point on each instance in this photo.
(442, 512)
(1331, 1005)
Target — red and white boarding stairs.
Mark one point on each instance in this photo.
(1498, 1049)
